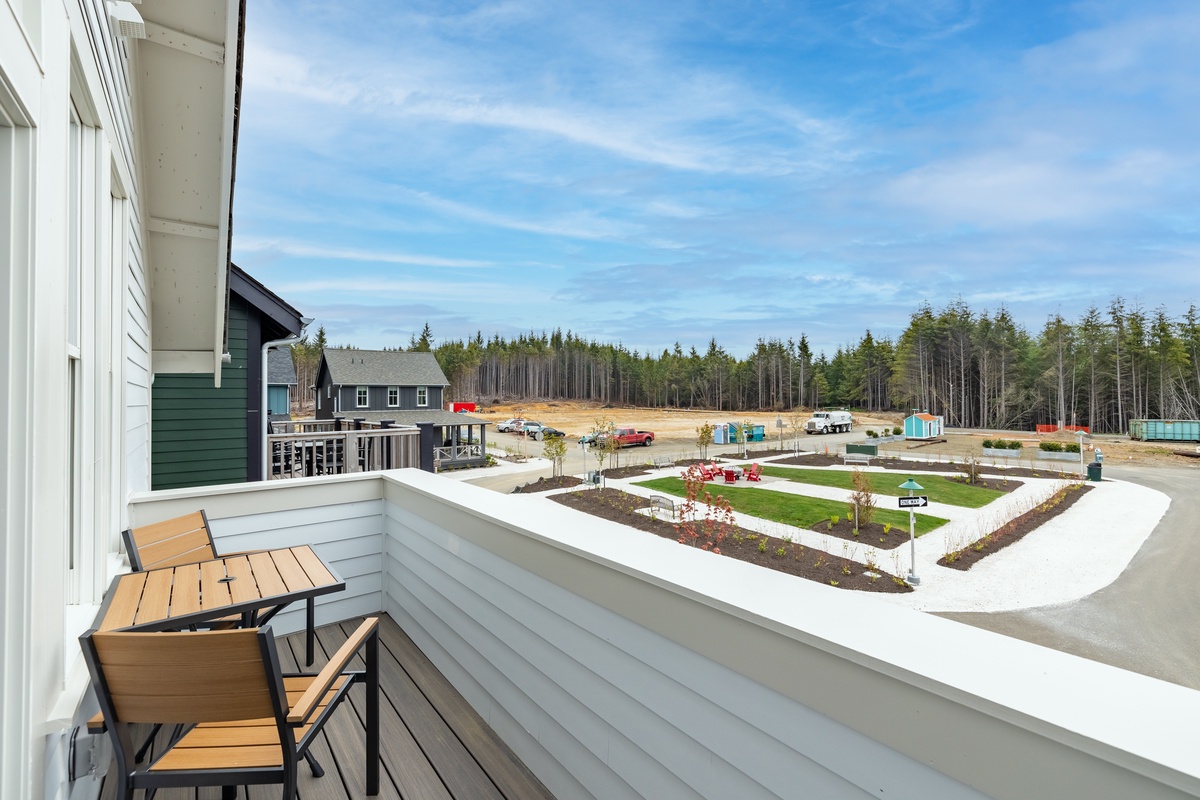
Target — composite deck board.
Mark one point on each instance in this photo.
(433, 745)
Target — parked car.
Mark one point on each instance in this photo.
(546, 432)
(527, 428)
(509, 425)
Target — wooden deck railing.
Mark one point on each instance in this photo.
(315, 452)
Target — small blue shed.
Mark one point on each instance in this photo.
(922, 426)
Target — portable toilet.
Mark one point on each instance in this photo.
(922, 426)
(721, 434)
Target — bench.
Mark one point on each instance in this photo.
(856, 458)
(657, 501)
(662, 462)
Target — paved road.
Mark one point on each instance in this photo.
(1146, 620)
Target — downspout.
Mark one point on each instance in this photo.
(304, 323)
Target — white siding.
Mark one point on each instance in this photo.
(45, 606)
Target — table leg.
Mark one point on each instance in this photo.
(311, 621)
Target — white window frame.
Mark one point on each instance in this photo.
(393, 396)
(422, 396)
(362, 397)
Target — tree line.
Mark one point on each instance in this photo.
(976, 369)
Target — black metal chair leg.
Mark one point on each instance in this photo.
(310, 620)
(314, 765)
(140, 755)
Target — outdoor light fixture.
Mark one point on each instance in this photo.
(125, 20)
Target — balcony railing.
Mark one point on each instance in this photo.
(618, 664)
(314, 452)
(458, 452)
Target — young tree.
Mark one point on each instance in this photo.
(704, 437)
(603, 443)
(862, 499)
(555, 449)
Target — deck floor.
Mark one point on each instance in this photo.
(433, 746)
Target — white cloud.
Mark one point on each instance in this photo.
(301, 250)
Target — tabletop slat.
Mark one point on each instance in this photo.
(213, 593)
(123, 609)
(266, 575)
(244, 588)
(156, 599)
(185, 596)
(290, 570)
(316, 571)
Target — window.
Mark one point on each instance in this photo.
(393, 396)
(362, 397)
(422, 396)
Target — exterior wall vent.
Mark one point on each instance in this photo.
(125, 19)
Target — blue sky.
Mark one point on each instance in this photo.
(660, 172)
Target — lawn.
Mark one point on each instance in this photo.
(790, 509)
(939, 489)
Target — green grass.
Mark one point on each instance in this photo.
(938, 488)
(791, 509)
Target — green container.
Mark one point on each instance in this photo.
(1165, 430)
(1094, 469)
(865, 449)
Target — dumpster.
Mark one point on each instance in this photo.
(1094, 470)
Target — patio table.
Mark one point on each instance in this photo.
(255, 585)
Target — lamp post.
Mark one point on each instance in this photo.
(910, 484)
(1082, 468)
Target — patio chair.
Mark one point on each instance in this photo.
(239, 719)
(755, 473)
(730, 476)
(707, 473)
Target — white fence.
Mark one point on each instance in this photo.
(310, 453)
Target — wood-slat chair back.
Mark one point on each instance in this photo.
(207, 676)
(182, 540)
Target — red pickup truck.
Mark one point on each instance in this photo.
(628, 436)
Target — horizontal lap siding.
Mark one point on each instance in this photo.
(630, 713)
(346, 535)
(199, 431)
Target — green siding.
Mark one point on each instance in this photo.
(198, 431)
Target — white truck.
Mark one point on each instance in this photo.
(829, 422)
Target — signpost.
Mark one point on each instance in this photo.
(779, 423)
(911, 502)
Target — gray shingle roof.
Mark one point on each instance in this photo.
(280, 369)
(383, 368)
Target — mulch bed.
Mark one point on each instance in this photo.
(901, 465)
(546, 484)
(627, 472)
(868, 535)
(813, 565)
(1016, 529)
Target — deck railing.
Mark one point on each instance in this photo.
(458, 452)
(314, 452)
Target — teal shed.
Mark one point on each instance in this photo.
(922, 426)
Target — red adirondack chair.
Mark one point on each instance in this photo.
(730, 476)
(755, 473)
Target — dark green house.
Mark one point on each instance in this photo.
(201, 435)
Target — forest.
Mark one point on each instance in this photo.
(976, 369)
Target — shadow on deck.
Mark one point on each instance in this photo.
(433, 746)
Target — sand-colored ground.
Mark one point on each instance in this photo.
(678, 427)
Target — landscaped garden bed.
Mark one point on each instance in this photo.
(1015, 529)
(546, 484)
(904, 465)
(784, 556)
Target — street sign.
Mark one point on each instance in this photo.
(919, 501)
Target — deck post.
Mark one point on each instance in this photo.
(426, 445)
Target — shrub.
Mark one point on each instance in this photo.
(1071, 447)
(872, 435)
(897, 431)
(989, 444)
(1051, 447)
(1002, 444)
